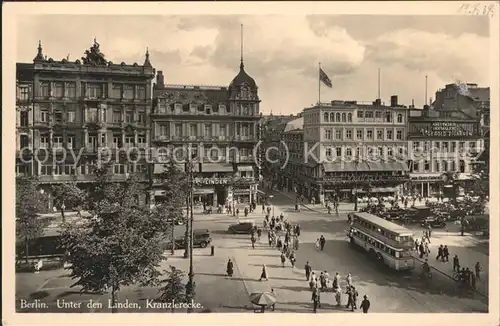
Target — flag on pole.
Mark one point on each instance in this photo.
(324, 78)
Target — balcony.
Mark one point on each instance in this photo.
(82, 178)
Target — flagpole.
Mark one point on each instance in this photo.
(319, 83)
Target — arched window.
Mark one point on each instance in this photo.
(400, 118)
(244, 91)
(349, 117)
(343, 117)
(325, 117)
(445, 166)
(332, 117)
(337, 117)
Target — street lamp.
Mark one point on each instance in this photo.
(190, 291)
(271, 197)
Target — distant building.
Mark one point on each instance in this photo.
(220, 127)
(353, 149)
(83, 107)
(447, 137)
(291, 155)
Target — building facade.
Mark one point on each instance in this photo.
(440, 142)
(354, 149)
(72, 113)
(291, 156)
(215, 126)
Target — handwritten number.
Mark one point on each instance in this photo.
(487, 10)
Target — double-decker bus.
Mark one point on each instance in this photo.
(387, 242)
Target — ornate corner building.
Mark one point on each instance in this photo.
(72, 113)
(215, 126)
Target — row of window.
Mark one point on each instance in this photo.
(89, 90)
(361, 135)
(439, 166)
(164, 130)
(92, 115)
(370, 151)
(376, 228)
(367, 116)
(58, 141)
(377, 244)
(70, 169)
(446, 146)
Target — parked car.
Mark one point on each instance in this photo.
(241, 227)
(433, 223)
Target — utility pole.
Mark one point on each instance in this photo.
(190, 286)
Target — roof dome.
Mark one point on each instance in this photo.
(243, 78)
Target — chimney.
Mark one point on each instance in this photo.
(377, 102)
(159, 79)
(394, 100)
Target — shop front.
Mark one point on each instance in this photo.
(426, 184)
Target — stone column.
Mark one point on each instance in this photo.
(135, 138)
(51, 137)
(215, 198)
(123, 138)
(85, 137)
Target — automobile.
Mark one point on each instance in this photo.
(243, 227)
(433, 223)
(201, 239)
(178, 221)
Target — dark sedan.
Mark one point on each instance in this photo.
(241, 228)
(433, 223)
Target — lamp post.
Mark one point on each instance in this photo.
(190, 291)
(271, 198)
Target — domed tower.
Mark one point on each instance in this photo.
(243, 91)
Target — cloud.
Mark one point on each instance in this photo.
(280, 52)
(464, 56)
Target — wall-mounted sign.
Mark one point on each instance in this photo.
(426, 178)
(210, 181)
(444, 129)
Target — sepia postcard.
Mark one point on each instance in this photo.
(250, 163)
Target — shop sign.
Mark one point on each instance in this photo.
(210, 181)
(241, 191)
(451, 129)
(427, 178)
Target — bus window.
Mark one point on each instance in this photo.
(396, 254)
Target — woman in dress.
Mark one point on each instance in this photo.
(264, 274)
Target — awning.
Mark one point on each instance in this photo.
(216, 167)
(379, 166)
(399, 166)
(388, 189)
(245, 168)
(345, 166)
(203, 191)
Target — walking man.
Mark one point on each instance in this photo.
(283, 259)
(308, 269)
(446, 254)
(456, 264)
(477, 267)
(322, 242)
(440, 253)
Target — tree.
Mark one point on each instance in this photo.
(67, 195)
(174, 184)
(173, 289)
(29, 203)
(115, 247)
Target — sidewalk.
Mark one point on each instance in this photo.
(462, 247)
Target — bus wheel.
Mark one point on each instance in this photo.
(371, 253)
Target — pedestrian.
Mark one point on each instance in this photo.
(283, 259)
(264, 274)
(322, 280)
(477, 267)
(446, 254)
(421, 249)
(473, 280)
(237, 212)
(297, 230)
(292, 259)
(308, 270)
(259, 233)
(315, 299)
(456, 264)
(365, 304)
(440, 252)
(429, 232)
(316, 244)
(253, 241)
(416, 245)
(338, 297)
(336, 281)
(322, 242)
(312, 282)
(426, 249)
(275, 296)
(349, 279)
(263, 208)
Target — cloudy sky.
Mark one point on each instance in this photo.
(281, 52)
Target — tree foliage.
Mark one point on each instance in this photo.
(29, 203)
(68, 194)
(173, 288)
(114, 247)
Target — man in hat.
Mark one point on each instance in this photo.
(365, 304)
